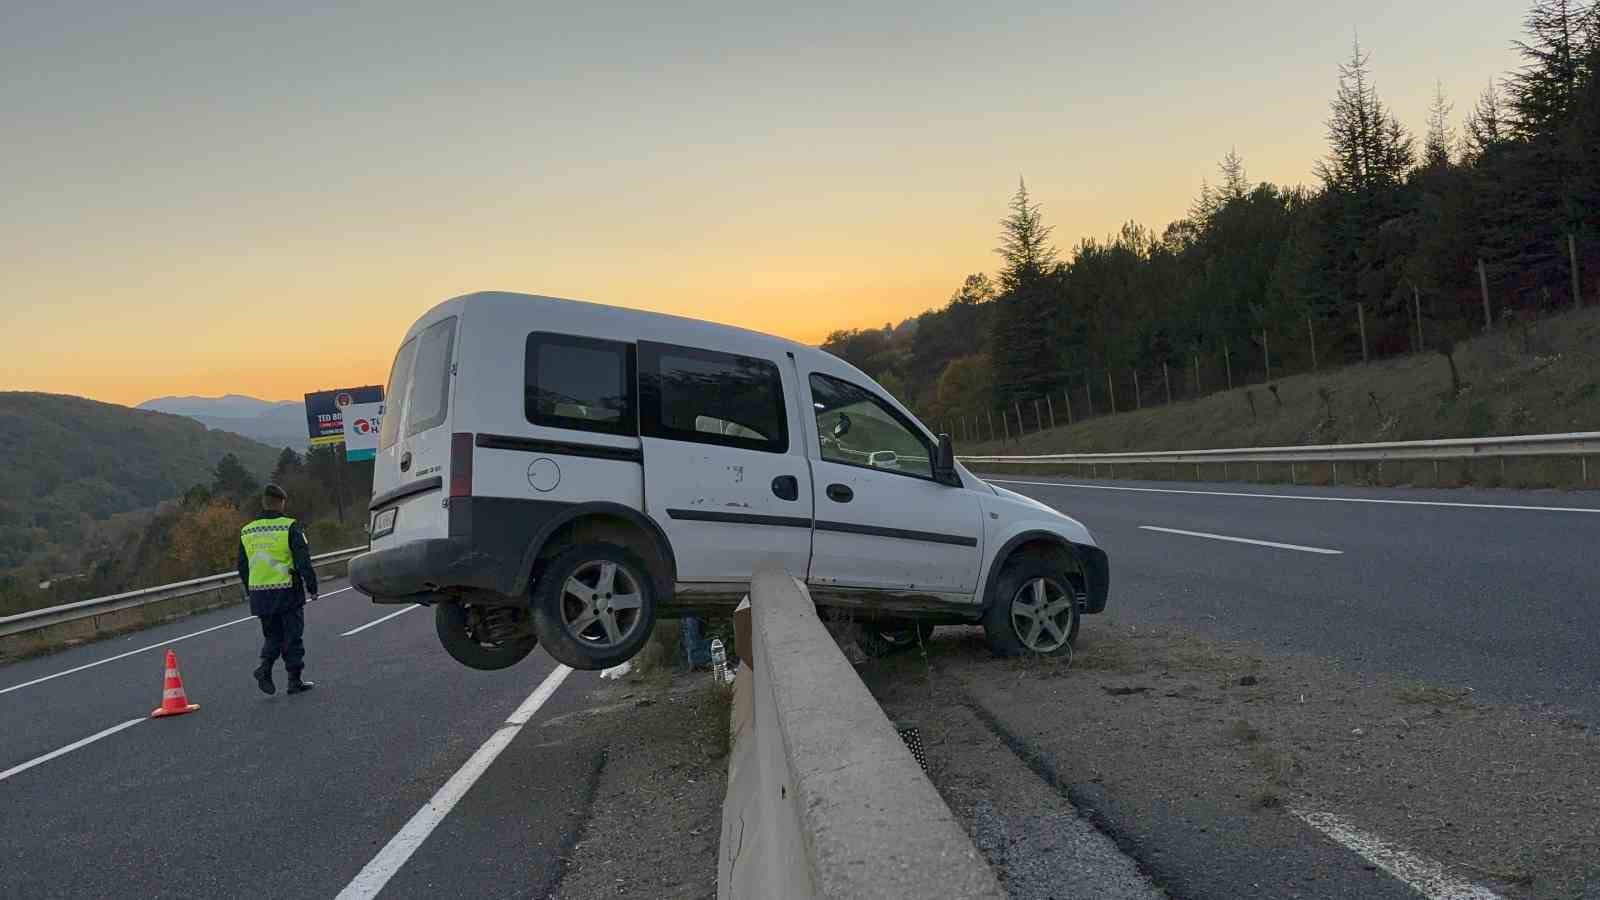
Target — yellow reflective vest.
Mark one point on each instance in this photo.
(266, 546)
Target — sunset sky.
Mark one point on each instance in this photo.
(207, 197)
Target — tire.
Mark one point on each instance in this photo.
(572, 613)
(455, 624)
(1007, 622)
(880, 639)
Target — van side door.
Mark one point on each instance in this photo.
(725, 473)
(883, 522)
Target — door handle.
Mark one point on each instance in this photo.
(840, 493)
(405, 461)
(786, 487)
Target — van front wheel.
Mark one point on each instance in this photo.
(594, 606)
(483, 637)
(1034, 611)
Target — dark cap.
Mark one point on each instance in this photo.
(273, 492)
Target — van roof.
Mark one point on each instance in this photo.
(512, 302)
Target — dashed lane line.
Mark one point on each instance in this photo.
(1314, 499)
(39, 760)
(1422, 874)
(360, 628)
(1242, 540)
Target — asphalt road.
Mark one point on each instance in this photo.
(282, 796)
(1452, 587)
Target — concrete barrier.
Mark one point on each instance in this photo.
(824, 799)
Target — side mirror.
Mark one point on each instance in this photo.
(842, 426)
(944, 462)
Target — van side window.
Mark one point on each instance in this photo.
(585, 384)
(857, 428)
(705, 397)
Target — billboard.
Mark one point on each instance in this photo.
(361, 424)
(325, 411)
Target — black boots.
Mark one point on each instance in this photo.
(298, 685)
(263, 675)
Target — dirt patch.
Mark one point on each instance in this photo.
(1504, 795)
(653, 827)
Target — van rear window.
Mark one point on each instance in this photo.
(399, 384)
(418, 396)
(429, 402)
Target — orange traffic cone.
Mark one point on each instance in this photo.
(174, 702)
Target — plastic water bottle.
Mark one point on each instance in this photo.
(719, 660)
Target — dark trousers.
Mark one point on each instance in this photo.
(282, 635)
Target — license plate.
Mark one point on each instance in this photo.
(383, 522)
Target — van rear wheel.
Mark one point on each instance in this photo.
(483, 637)
(594, 606)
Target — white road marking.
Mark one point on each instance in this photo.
(1425, 876)
(1240, 540)
(394, 854)
(1444, 503)
(70, 747)
(160, 646)
(360, 628)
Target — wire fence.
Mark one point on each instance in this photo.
(1358, 335)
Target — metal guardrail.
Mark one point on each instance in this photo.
(1580, 443)
(96, 606)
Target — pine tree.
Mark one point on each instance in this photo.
(1023, 339)
(1486, 126)
(1024, 242)
(1235, 185)
(1441, 139)
(289, 465)
(1560, 35)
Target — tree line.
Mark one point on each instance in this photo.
(198, 534)
(1401, 245)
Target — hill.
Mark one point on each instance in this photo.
(71, 462)
(1539, 377)
(276, 423)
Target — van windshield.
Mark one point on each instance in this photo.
(418, 396)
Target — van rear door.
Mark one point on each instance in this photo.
(413, 462)
(724, 475)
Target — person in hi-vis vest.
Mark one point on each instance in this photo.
(275, 569)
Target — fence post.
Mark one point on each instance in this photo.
(1416, 305)
(1572, 253)
(1227, 363)
(1050, 405)
(1266, 353)
(1111, 391)
(1483, 285)
(1361, 319)
(1166, 377)
(1017, 405)
(1138, 396)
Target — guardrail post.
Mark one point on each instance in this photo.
(1335, 474)
(1436, 473)
(1293, 478)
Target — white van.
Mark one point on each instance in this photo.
(562, 472)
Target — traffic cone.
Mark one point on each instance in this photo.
(174, 702)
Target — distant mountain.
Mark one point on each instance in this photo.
(70, 459)
(279, 423)
(231, 406)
